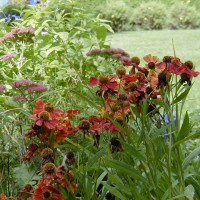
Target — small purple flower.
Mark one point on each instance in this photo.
(2, 88)
(19, 98)
(7, 57)
(22, 83)
(38, 87)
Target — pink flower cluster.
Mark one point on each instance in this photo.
(15, 33)
(29, 85)
(116, 53)
(7, 57)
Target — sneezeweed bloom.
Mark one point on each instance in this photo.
(44, 119)
(32, 150)
(104, 82)
(49, 171)
(47, 154)
(46, 192)
(49, 107)
(7, 57)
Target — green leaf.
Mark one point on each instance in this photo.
(133, 151)
(52, 49)
(118, 182)
(124, 168)
(189, 192)
(181, 96)
(63, 35)
(185, 128)
(93, 161)
(113, 191)
(192, 155)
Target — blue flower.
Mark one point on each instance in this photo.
(11, 17)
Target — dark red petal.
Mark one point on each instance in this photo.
(93, 81)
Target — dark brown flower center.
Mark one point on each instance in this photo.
(49, 169)
(48, 107)
(47, 195)
(47, 153)
(28, 187)
(103, 79)
(136, 60)
(120, 71)
(189, 64)
(44, 115)
(151, 65)
(167, 59)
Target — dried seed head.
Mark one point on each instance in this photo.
(103, 79)
(115, 145)
(189, 64)
(28, 187)
(84, 125)
(136, 60)
(70, 158)
(44, 115)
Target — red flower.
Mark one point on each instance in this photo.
(43, 192)
(32, 150)
(105, 83)
(72, 113)
(44, 119)
(40, 106)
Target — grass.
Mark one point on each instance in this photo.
(159, 43)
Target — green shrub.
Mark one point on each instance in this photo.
(183, 16)
(118, 13)
(151, 15)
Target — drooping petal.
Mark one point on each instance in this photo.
(112, 85)
(39, 107)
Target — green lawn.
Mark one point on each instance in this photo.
(159, 43)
